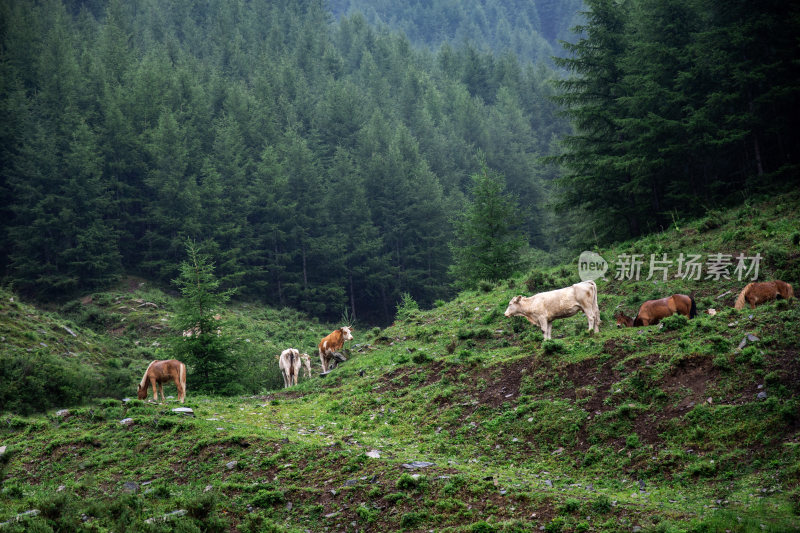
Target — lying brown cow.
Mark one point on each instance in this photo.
(333, 343)
(541, 309)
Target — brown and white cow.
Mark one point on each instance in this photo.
(289, 362)
(541, 309)
(333, 343)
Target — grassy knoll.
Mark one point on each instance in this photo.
(671, 428)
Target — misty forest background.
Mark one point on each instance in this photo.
(325, 154)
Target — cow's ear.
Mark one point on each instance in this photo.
(517, 299)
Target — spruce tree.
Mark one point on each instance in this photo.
(487, 243)
(205, 344)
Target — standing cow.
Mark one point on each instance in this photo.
(541, 309)
(333, 343)
(289, 362)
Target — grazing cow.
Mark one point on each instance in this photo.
(289, 362)
(652, 311)
(306, 364)
(333, 343)
(541, 309)
(758, 293)
(160, 372)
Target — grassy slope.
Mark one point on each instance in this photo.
(659, 428)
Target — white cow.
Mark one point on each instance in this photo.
(289, 363)
(306, 364)
(541, 309)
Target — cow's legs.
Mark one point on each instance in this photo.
(546, 329)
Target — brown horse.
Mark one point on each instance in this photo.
(652, 311)
(160, 372)
(757, 293)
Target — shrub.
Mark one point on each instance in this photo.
(674, 322)
(413, 518)
(721, 361)
(409, 482)
(406, 307)
(483, 527)
(268, 498)
(602, 504)
(553, 346)
(420, 358)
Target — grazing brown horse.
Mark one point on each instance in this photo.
(160, 372)
(652, 311)
(757, 293)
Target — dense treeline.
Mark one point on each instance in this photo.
(678, 105)
(528, 29)
(317, 162)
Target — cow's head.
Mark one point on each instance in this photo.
(514, 307)
(347, 333)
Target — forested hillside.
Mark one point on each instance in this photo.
(529, 30)
(318, 162)
(323, 162)
(678, 105)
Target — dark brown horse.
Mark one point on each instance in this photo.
(652, 311)
(160, 372)
(761, 292)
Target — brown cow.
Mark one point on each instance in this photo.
(758, 293)
(652, 311)
(160, 372)
(333, 343)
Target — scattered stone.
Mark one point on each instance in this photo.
(208, 488)
(130, 486)
(709, 400)
(724, 294)
(417, 464)
(187, 410)
(168, 516)
(373, 454)
(711, 311)
(762, 395)
(3, 450)
(62, 412)
(331, 515)
(61, 488)
(548, 483)
(731, 324)
(749, 338)
(231, 465)
(69, 331)
(642, 485)
(558, 451)
(126, 421)
(21, 516)
(350, 482)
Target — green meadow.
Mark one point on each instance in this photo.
(454, 418)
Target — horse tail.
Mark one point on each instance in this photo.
(740, 300)
(182, 377)
(144, 377)
(693, 310)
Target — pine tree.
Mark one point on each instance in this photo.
(205, 344)
(487, 242)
